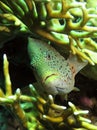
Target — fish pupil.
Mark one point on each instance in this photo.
(48, 57)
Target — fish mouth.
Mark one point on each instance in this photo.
(60, 90)
(49, 76)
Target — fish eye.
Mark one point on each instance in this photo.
(48, 56)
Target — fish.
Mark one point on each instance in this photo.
(55, 73)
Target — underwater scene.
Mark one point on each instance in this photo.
(48, 64)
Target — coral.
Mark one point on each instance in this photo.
(33, 111)
(67, 22)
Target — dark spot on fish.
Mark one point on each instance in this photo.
(65, 80)
(60, 67)
(73, 69)
(67, 64)
(63, 59)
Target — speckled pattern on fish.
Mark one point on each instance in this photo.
(51, 69)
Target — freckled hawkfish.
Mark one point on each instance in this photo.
(52, 70)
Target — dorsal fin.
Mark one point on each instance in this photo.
(77, 63)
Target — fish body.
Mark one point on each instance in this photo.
(52, 70)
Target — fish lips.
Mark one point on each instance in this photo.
(55, 85)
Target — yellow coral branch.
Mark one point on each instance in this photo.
(53, 119)
(7, 76)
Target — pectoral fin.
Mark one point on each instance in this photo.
(76, 89)
(77, 63)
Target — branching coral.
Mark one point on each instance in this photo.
(14, 101)
(33, 111)
(64, 22)
(67, 22)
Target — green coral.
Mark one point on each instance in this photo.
(67, 22)
(33, 111)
